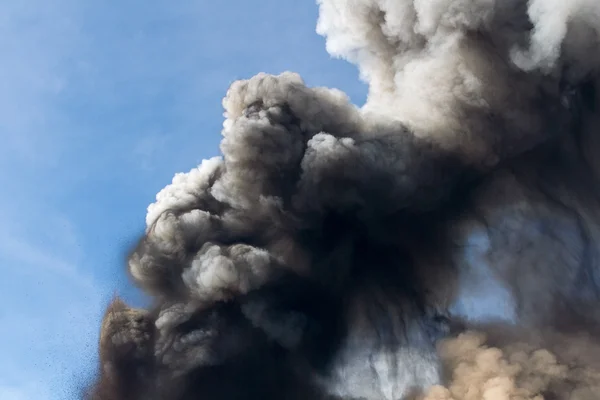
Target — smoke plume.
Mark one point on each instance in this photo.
(350, 238)
(521, 369)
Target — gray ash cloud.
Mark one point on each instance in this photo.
(329, 244)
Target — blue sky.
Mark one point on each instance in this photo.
(101, 102)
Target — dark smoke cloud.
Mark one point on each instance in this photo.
(349, 239)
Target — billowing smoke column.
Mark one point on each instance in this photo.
(330, 247)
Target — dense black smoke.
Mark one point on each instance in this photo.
(330, 247)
